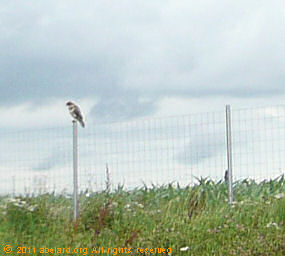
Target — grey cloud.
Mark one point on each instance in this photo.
(58, 157)
(29, 80)
(201, 148)
(122, 52)
(120, 105)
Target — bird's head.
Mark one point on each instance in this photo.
(69, 103)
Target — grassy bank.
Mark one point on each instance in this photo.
(191, 221)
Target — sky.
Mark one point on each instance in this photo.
(131, 60)
(122, 60)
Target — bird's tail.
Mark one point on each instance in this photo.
(82, 123)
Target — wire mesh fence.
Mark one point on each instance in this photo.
(258, 142)
(144, 152)
(154, 151)
(35, 161)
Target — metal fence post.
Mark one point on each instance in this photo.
(229, 152)
(14, 185)
(75, 170)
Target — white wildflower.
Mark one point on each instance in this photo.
(20, 204)
(31, 208)
(114, 204)
(184, 249)
(12, 200)
(3, 206)
(272, 224)
(139, 205)
(279, 196)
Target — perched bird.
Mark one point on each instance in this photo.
(75, 112)
(226, 176)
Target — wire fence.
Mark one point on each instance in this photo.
(259, 142)
(144, 152)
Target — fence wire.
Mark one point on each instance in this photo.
(147, 152)
(153, 152)
(258, 142)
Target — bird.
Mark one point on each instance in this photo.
(226, 176)
(75, 112)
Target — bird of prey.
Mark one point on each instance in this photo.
(75, 112)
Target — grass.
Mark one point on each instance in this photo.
(191, 221)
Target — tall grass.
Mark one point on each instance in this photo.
(193, 220)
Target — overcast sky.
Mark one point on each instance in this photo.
(131, 59)
(128, 59)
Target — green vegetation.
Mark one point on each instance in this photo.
(191, 221)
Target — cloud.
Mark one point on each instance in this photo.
(53, 113)
(121, 105)
(213, 51)
(57, 158)
(137, 50)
